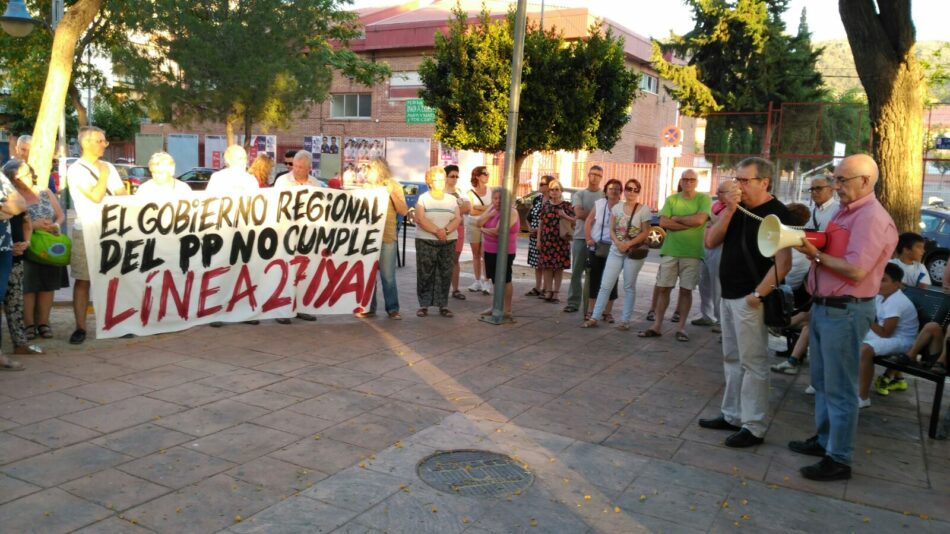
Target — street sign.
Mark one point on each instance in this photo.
(671, 136)
(671, 151)
(943, 143)
(419, 113)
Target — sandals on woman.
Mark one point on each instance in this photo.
(445, 312)
(590, 323)
(30, 332)
(44, 331)
(456, 294)
(535, 292)
(551, 296)
(609, 318)
(422, 312)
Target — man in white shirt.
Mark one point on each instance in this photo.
(299, 175)
(90, 180)
(825, 205)
(234, 178)
(163, 183)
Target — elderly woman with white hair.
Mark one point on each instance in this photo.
(437, 219)
(163, 182)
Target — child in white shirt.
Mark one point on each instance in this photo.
(910, 250)
(892, 332)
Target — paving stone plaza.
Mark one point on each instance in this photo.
(321, 427)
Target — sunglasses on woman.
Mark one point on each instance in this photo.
(631, 190)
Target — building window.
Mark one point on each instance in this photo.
(649, 83)
(351, 106)
(644, 154)
(404, 85)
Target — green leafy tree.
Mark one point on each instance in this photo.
(574, 96)
(119, 117)
(739, 60)
(243, 62)
(883, 43)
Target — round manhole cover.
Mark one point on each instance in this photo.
(474, 473)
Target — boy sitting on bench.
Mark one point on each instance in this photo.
(893, 331)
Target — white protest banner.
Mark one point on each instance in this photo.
(163, 265)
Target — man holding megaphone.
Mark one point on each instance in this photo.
(843, 285)
(746, 277)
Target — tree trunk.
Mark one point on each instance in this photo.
(74, 22)
(229, 131)
(883, 44)
(248, 124)
(81, 112)
(898, 133)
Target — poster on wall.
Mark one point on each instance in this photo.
(214, 150)
(167, 264)
(260, 144)
(184, 148)
(448, 155)
(409, 157)
(312, 144)
(326, 154)
(357, 151)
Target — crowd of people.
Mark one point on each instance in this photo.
(849, 308)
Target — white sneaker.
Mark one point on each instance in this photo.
(864, 403)
(475, 287)
(810, 390)
(486, 287)
(786, 367)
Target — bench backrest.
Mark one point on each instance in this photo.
(932, 306)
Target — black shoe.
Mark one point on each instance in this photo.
(719, 423)
(810, 446)
(743, 438)
(826, 470)
(216, 324)
(78, 337)
(282, 320)
(306, 317)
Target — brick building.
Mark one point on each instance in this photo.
(401, 35)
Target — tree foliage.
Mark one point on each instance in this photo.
(243, 62)
(575, 95)
(119, 117)
(739, 59)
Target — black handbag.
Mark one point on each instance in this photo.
(779, 305)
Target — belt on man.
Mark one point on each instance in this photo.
(839, 302)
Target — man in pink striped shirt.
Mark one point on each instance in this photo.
(843, 289)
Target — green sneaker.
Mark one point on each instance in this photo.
(897, 385)
(881, 385)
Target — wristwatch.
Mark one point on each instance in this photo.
(758, 296)
(817, 258)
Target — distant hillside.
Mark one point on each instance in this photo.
(837, 66)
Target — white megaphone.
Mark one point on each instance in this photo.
(774, 236)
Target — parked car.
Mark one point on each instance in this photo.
(197, 178)
(412, 190)
(935, 227)
(132, 176)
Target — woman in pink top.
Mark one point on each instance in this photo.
(488, 223)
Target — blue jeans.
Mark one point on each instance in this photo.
(631, 269)
(387, 277)
(834, 342)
